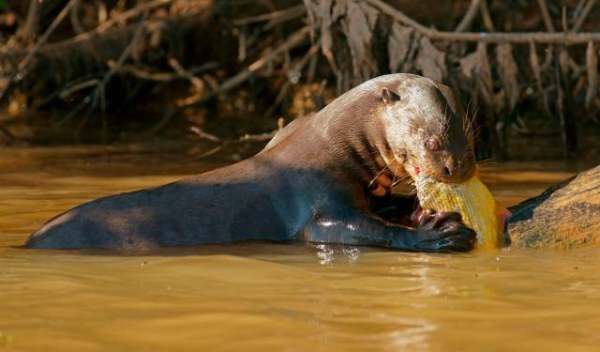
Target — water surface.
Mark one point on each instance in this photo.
(270, 297)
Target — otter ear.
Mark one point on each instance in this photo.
(388, 97)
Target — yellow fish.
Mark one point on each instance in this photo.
(472, 200)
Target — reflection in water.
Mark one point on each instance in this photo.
(327, 253)
(414, 338)
(273, 297)
(428, 285)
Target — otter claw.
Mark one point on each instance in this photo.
(444, 232)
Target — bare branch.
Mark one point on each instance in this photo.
(18, 75)
(205, 135)
(136, 11)
(44, 38)
(276, 16)
(114, 68)
(584, 13)
(466, 22)
(261, 137)
(77, 87)
(74, 17)
(546, 16)
(486, 17)
(195, 81)
(592, 74)
(566, 38)
(149, 75)
(30, 28)
(293, 41)
(294, 71)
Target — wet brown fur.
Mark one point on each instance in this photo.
(313, 181)
(353, 125)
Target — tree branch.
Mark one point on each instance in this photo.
(546, 16)
(121, 18)
(98, 94)
(18, 74)
(581, 19)
(566, 38)
(293, 41)
(486, 17)
(276, 16)
(466, 22)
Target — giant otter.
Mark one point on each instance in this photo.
(314, 181)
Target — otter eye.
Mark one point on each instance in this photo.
(433, 144)
(387, 96)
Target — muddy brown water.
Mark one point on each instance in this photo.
(272, 297)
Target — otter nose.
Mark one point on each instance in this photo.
(450, 167)
(447, 171)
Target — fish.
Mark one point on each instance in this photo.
(472, 200)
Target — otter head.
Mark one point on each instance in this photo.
(425, 130)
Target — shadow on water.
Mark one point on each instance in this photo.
(246, 248)
(292, 251)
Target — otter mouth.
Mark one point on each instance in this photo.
(393, 198)
(392, 190)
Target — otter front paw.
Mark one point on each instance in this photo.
(443, 232)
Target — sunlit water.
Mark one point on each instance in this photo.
(270, 297)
